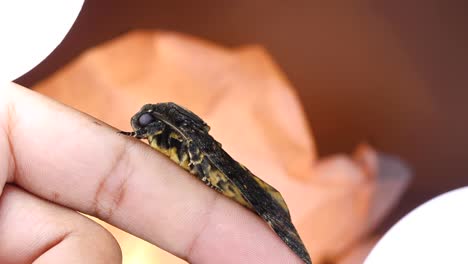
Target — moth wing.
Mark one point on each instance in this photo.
(247, 184)
(191, 116)
(275, 194)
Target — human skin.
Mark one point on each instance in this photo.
(55, 161)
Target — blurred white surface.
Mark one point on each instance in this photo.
(435, 232)
(30, 30)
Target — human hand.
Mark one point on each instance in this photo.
(55, 161)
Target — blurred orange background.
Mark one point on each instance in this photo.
(390, 73)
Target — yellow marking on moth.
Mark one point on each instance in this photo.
(171, 152)
(176, 136)
(199, 161)
(154, 144)
(184, 163)
(173, 155)
(216, 176)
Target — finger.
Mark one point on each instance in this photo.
(34, 230)
(87, 166)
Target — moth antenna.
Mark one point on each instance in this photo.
(131, 134)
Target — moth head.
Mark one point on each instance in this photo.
(147, 122)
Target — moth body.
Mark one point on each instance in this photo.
(183, 137)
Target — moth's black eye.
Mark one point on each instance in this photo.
(145, 119)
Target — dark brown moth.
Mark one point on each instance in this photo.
(183, 137)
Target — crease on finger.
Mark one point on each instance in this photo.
(50, 245)
(111, 188)
(7, 130)
(11, 117)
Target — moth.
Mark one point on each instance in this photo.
(183, 137)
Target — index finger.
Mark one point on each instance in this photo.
(71, 159)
